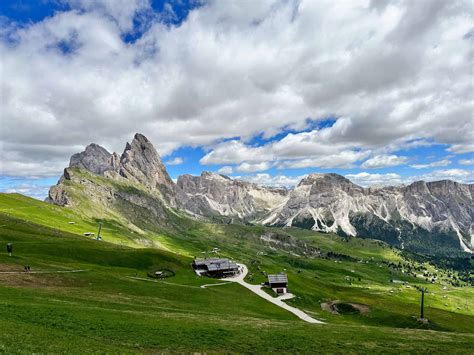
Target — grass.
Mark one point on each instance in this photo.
(104, 309)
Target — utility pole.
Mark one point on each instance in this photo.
(422, 311)
(98, 233)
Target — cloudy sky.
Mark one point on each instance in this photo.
(379, 91)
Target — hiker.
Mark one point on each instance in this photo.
(29, 268)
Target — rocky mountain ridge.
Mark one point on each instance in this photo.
(218, 195)
(332, 203)
(422, 214)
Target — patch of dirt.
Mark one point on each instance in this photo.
(10, 267)
(338, 307)
(33, 280)
(24, 279)
(362, 308)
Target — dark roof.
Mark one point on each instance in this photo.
(277, 279)
(216, 264)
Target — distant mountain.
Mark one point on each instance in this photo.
(421, 216)
(425, 216)
(218, 195)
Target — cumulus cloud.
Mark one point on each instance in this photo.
(225, 170)
(461, 175)
(311, 149)
(383, 161)
(367, 179)
(39, 192)
(466, 161)
(435, 164)
(253, 167)
(175, 161)
(272, 180)
(390, 75)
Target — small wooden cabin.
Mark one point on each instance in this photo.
(278, 283)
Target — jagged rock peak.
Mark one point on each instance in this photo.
(326, 177)
(211, 175)
(141, 162)
(94, 158)
(212, 194)
(328, 182)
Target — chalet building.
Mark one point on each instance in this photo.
(278, 283)
(216, 267)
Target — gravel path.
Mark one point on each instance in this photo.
(257, 289)
(210, 285)
(161, 282)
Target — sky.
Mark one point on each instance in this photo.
(268, 91)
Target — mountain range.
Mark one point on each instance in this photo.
(428, 217)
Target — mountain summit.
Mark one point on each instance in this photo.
(423, 216)
(141, 162)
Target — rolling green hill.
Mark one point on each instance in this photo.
(108, 304)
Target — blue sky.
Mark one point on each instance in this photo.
(266, 91)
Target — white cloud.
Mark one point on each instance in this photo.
(225, 170)
(435, 164)
(296, 150)
(343, 159)
(460, 175)
(122, 12)
(367, 179)
(235, 152)
(466, 161)
(39, 192)
(383, 161)
(253, 167)
(462, 148)
(31, 169)
(175, 161)
(236, 69)
(272, 180)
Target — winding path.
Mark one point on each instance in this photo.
(276, 301)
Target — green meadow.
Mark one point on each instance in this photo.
(108, 304)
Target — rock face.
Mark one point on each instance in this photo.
(140, 163)
(94, 159)
(441, 211)
(217, 195)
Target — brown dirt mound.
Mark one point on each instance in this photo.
(338, 307)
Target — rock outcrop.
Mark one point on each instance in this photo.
(95, 159)
(217, 195)
(141, 162)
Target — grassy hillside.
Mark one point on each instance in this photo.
(106, 307)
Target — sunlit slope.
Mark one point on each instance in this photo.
(115, 229)
(103, 309)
